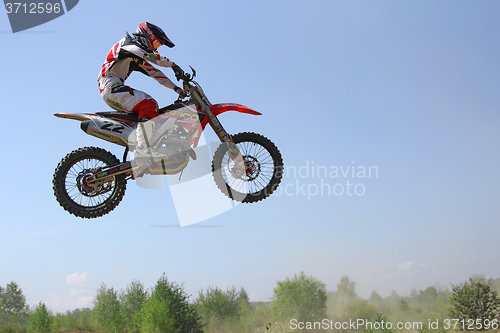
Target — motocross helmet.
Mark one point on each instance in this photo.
(151, 36)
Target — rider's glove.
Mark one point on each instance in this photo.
(179, 73)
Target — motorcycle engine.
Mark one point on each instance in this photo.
(175, 146)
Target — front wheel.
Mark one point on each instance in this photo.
(73, 186)
(251, 176)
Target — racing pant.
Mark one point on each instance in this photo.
(124, 98)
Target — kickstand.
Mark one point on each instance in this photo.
(181, 174)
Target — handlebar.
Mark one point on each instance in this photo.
(180, 75)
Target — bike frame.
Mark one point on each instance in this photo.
(197, 104)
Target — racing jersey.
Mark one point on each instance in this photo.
(128, 55)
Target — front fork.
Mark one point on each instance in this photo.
(234, 152)
(224, 137)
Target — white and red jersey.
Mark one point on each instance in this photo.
(128, 55)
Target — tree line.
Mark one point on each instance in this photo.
(298, 302)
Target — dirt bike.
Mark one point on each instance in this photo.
(90, 182)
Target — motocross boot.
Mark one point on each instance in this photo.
(144, 133)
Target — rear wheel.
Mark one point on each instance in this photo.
(257, 177)
(73, 189)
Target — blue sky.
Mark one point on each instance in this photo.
(410, 88)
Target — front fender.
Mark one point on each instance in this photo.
(223, 107)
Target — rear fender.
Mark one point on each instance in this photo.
(116, 131)
(75, 116)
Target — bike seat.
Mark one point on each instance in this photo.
(176, 105)
(121, 115)
(133, 116)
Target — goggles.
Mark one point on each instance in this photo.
(157, 44)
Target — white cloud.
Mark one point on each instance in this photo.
(410, 266)
(81, 294)
(76, 279)
(406, 266)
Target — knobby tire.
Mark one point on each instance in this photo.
(70, 195)
(262, 177)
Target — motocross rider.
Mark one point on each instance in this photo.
(131, 53)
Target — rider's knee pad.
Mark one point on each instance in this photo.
(147, 108)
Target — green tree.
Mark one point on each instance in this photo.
(215, 303)
(346, 289)
(76, 320)
(108, 313)
(168, 310)
(13, 308)
(375, 298)
(382, 321)
(83, 319)
(475, 299)
(403, 305)
(496, 285)
(2, 311)
(243, 296)
(427, 298)
(225, 310)
(343, 301)
(361, 309)
(40, 320)
(70, 322)
(302, 298)
(156, 317)
(132, 300)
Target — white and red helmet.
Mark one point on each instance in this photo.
(151, 36)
